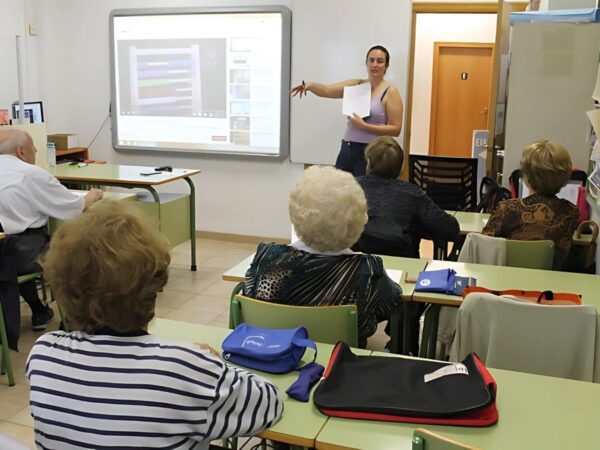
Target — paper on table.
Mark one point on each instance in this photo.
(357, 99)
(596, 94)
(594, 117)
(395, 275)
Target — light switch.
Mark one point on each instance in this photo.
(32, 30)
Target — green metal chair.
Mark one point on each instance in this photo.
(530, 254)
(6, 363)
(328, 324)
(526, 254)
(426, 440)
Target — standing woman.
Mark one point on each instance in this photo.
(385, 118)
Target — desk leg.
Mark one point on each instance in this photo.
(406, 328)
(192, 221)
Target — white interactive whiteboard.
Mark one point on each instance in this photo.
(212, 80)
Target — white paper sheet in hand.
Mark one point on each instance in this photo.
(357, 99)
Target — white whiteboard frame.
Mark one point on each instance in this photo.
(286, 27)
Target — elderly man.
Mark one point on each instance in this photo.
(28, 197)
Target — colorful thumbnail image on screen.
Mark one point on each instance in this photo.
(174, 78)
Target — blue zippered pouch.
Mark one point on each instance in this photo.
(267, 349)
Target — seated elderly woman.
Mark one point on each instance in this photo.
(546, 168)
(400, 213)
(109, 383)
(328, 210)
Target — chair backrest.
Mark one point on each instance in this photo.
(450, 182)
(487, 195)
(527, 337)
(328, 324)
(426, 440)
(530, 254)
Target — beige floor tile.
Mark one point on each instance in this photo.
(20, 433)
(203, 318)
(223, 262)
(207, 303)
(173, 299)
(189, 284)
(220, 289)
(23, 417)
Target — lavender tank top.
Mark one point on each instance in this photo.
(377, 116)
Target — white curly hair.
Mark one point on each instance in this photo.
(328, 209)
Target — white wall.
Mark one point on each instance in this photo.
(432, 28)
(70, 73)
(11, 25)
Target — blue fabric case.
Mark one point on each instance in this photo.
(441, 281)
(267, 349)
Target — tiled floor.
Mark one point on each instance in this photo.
(199, 297)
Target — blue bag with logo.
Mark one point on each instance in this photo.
(441, 281)
(267, 349)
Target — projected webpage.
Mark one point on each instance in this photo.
(199, 82)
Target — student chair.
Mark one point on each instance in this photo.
(450, 182)
(6, 366)
(530, 254)
(426, 440)
(557, 341)
(328, 324)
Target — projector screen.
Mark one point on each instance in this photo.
(201, 80)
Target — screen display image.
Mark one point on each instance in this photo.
(33, 112)
(201, 81)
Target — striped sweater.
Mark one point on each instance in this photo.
(140, 391)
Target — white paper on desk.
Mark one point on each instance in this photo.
(596, 94)
(357, 99)
(594, 117)
(395, 275)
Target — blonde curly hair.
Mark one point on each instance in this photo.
(328, 209)
(106, 267)
(546, 167)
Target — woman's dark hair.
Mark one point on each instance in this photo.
(380, 48)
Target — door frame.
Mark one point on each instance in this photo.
(434, 80)
(423, 7)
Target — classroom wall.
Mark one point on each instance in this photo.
(70, 73)
(439, 28)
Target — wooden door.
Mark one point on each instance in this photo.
(462, 75)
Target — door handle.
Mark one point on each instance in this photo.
(484, 111)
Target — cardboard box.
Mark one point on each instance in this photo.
(64, 141)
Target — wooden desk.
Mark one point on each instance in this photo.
(470, 222)
(536, 412)
(301, 422)
(130, 177)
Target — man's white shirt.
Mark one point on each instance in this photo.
(29, 196)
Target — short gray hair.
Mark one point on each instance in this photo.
(11, 139)
(328, 209)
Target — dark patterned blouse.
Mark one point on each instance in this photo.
(284, 274)
(534, 218)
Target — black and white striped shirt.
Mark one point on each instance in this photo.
(142, 391)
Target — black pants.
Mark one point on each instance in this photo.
(352, 158)
(29, 246)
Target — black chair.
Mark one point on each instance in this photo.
(487, 195)
(450, 182)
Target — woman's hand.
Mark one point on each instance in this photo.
(210, 349)
(300, 89)
(357, 121)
